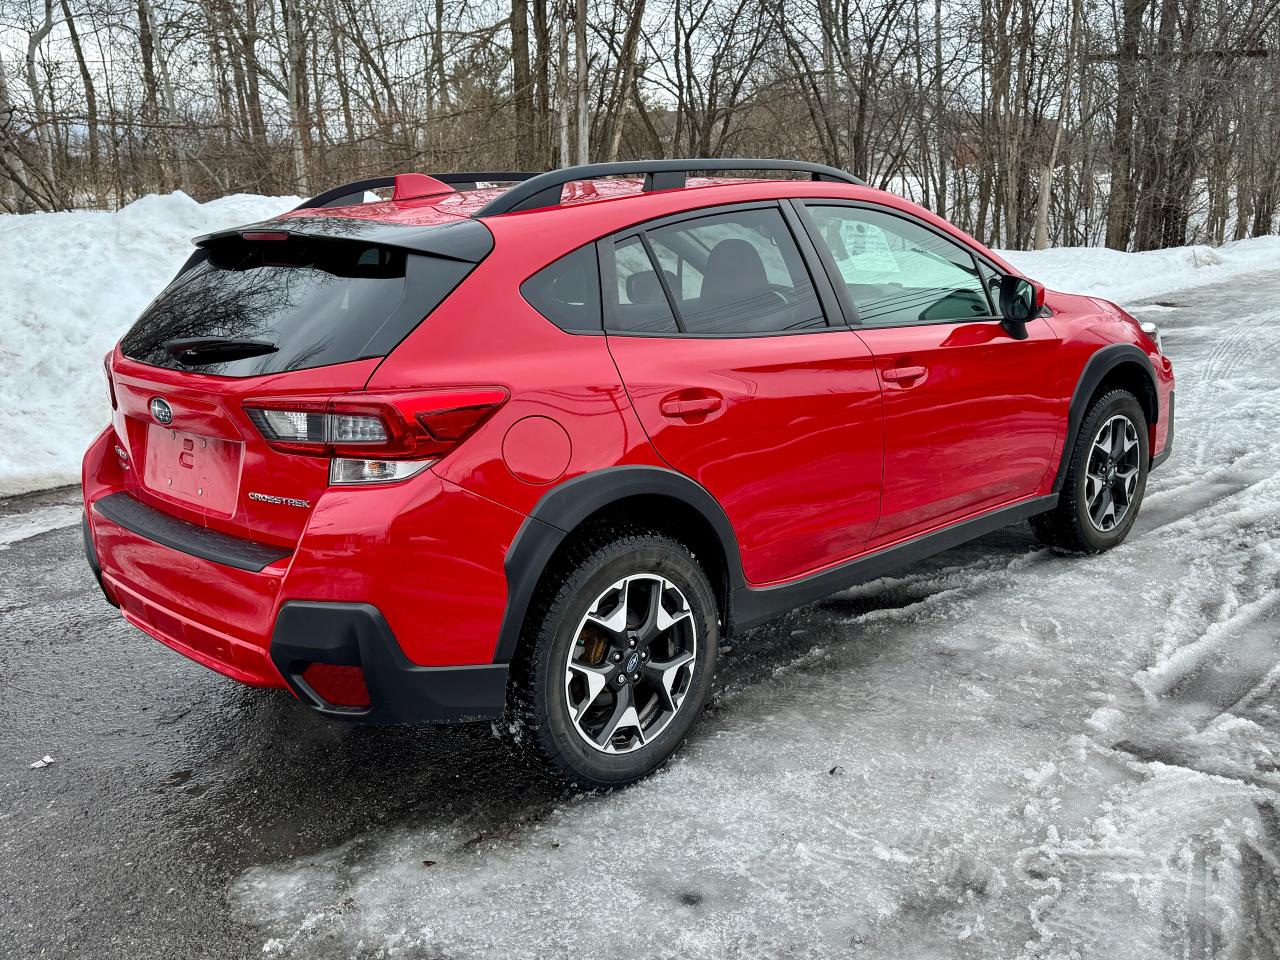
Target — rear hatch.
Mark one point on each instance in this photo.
(287, 315)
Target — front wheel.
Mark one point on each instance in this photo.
(617, 659)
(1106, 479)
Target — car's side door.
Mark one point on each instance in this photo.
(971, 409)
(720, 334)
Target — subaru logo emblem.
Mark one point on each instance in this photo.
(633, 661)
(161, 410)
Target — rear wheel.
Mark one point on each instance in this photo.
(1105, 481)
(617, 660)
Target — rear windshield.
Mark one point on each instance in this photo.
(317, 302)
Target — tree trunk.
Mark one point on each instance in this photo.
(42, 118)
(1064, 102)
(522, 89)
(1120, 202)
(91, 109)
(580, 42)
(562, 81)
(296, 74)
(542, 85)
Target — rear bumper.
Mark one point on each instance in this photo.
(403, 584)
(305, 633)
(356, 634)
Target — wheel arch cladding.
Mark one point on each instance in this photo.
(1118, 366)
(650, 497)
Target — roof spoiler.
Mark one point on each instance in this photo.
(466, 240)
(545, 189)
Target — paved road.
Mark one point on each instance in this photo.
(169, 781)
(170, 785)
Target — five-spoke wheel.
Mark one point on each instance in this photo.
(631, 666)
(1105, 479)
(618, 659)
(1111, 477)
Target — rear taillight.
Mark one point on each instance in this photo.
(375, 438)
(111, 386)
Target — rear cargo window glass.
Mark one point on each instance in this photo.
(568, 291)
(317, 302)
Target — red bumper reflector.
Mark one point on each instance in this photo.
(340, 685)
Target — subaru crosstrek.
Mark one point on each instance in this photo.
(529, 453)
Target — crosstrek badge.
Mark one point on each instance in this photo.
(283, 501)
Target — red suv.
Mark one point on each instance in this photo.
(529, 453)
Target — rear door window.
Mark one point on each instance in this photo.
(642, 303)
(737, 274)
(315, 301)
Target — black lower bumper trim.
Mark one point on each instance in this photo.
(400, 691)
(196, 541)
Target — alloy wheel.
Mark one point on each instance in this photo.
(631, 664)
(1111, 475)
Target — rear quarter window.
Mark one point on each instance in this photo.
(567, 292)
(317, 301)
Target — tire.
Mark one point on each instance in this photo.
(1098, 479)
(598, 608)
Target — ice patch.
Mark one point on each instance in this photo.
(22, 526)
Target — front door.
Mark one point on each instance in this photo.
(741, 384)
(971, 413)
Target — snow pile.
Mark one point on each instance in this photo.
(70, 286)
(1123, 277)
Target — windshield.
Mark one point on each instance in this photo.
(316, 301)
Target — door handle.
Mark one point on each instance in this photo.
(685, 404)
(898, 374)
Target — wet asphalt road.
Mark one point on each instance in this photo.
(169, 780)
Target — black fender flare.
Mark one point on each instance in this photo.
(1095, 369)
(563, 508)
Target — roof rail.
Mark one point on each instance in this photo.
(545, 189)
(352, 192)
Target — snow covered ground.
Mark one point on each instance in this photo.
(72, 283)
(1001, 753)
(70, 286)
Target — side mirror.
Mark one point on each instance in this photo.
(1021, 301)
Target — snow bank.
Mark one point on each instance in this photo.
(70, 285)
(1122, 277)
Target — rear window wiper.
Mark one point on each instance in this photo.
(199, 351)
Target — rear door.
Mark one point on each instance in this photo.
(971, 412)
(269, 318)
(721, 337)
